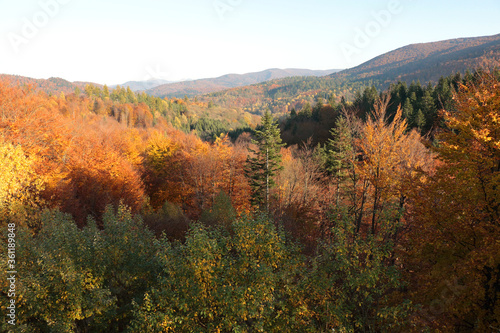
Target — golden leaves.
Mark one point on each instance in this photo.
(19, 185)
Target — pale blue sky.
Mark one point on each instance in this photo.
(110, 41)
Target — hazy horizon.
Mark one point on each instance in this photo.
(112, 42)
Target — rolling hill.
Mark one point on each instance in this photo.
(429, 61)
(281, 90)
(204, 86)
(52, 85)
(142, 85)
(425, 62)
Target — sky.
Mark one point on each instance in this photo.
(111, 42)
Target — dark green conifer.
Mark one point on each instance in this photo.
(264, 162)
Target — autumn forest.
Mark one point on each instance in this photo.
(372, 211)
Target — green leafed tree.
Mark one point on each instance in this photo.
(351, 285)
(80, 280)
(264, 162)
(219, 281)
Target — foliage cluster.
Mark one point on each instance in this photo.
(126, 223)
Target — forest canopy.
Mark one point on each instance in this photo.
(136, 214)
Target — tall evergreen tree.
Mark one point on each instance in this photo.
(264, 162)
(419, 119)
(429, 109)
(408, 111)
(306, 111)
(338, 153)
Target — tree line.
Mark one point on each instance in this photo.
(419, 103)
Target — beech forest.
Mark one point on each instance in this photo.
(373, 212)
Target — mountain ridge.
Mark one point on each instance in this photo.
(228, 81)
(50, 85)
(429, 61)
(424, 62)
(142, 85)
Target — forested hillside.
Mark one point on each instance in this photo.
(192, 88)
(132, 213)
(426, 62)
(50, 86)
(429, 61)
(279, 91)
(419, 105)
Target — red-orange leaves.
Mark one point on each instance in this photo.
(77, 157)
(453, 250)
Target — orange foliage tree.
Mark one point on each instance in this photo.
(190, 173)
(82, 172)
(452, 253)
(373, 165)
(390, 160)
(302, 194)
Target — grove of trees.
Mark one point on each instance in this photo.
(126, 221)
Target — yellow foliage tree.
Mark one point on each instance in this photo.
(19, 185)
(453, 249)
(390, 157)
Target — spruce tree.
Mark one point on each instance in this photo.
(429, 109)
(339, 153)
(419, 119)
(408, 111)
(264, 162)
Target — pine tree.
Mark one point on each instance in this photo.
(332, 102)
(419, 119)
(429, 109)
(408, 111)
(89, 89)
(316, 112)
(264, 162)
(339, 152)
(306, 111)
